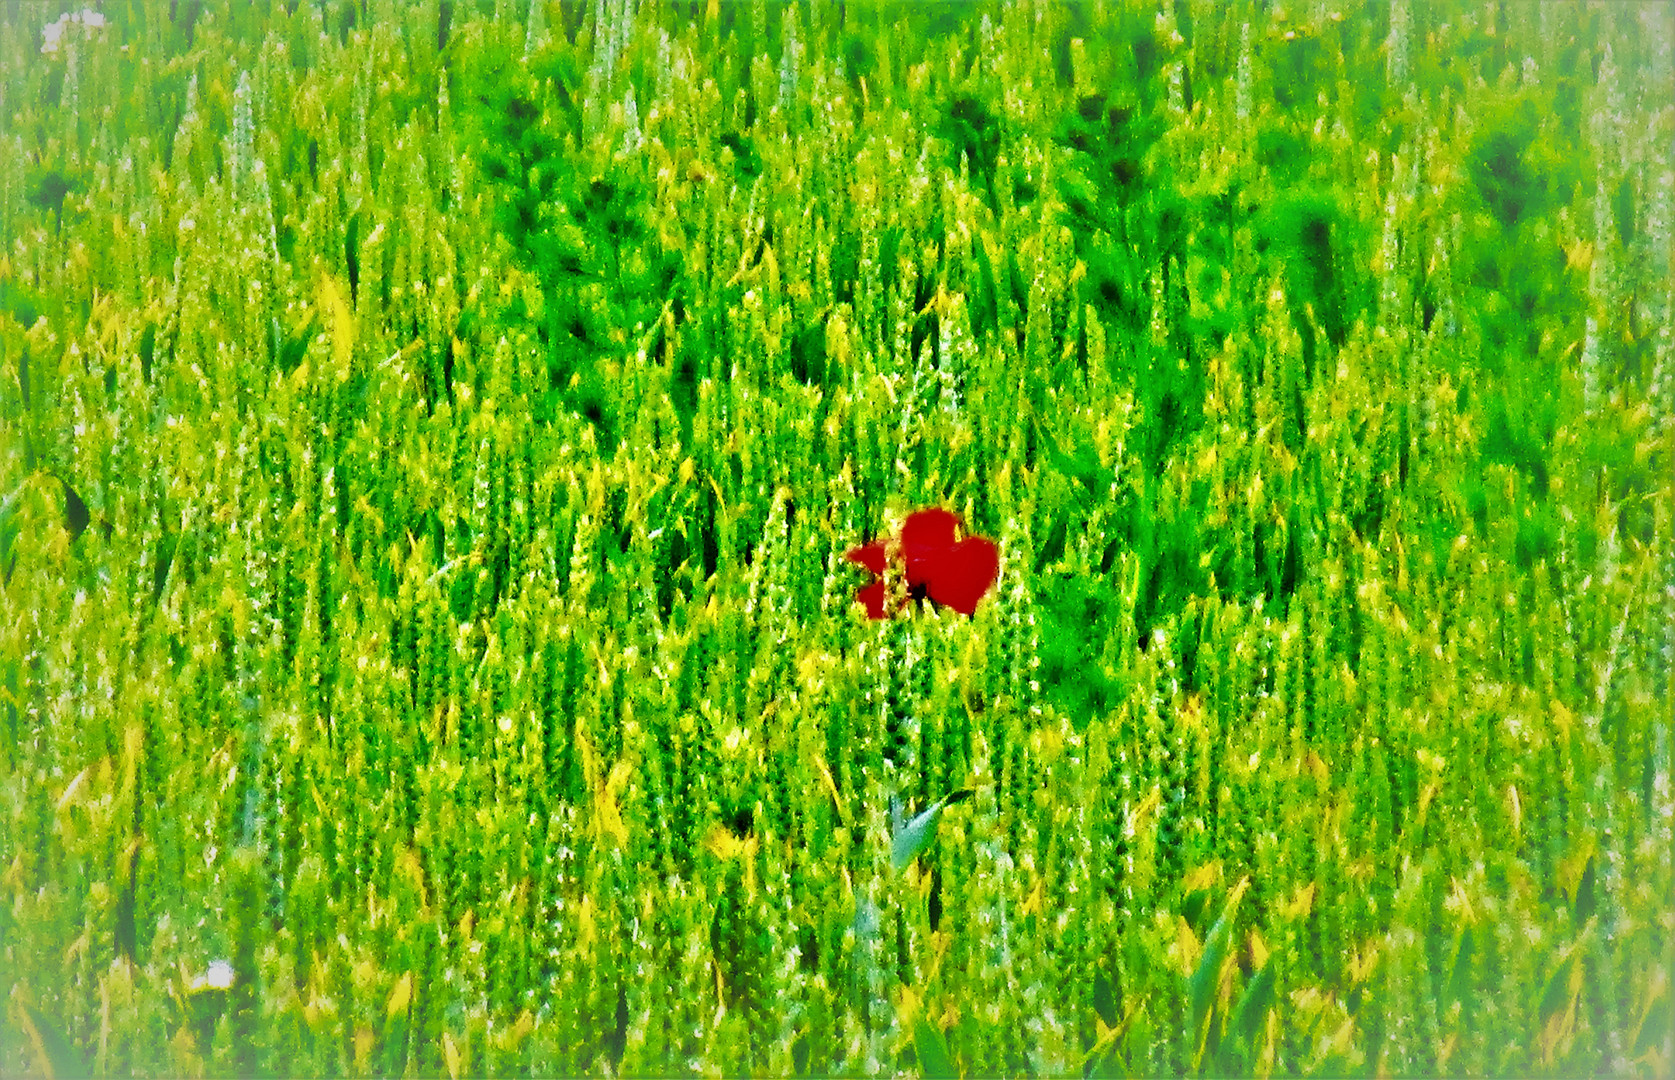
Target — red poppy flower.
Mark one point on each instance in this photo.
(953, 573)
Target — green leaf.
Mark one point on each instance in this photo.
(915, 836)
(1561, 982)
(1253, 1007)
(934, 1062)
(8, 536)
(1201, 985)
(1459, 967)
(54, 1054)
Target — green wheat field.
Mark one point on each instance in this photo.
(431, 432)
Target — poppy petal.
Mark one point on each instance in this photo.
(873, 597)
(925, 538)
(964, 573)
(870, 556)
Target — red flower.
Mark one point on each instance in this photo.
(952, 573)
